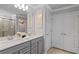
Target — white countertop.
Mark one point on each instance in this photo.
(4, 44)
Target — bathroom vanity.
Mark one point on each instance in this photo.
(32, 45)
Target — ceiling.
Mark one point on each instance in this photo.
(63, 8)
(12, 9)
(57, 6)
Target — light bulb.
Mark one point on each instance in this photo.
(15, 5)
(26, 7)
(20, 6)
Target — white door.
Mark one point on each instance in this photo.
(47, 32)
(69, 33)
(58, 31)
(65, 32)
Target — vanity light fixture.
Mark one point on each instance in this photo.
(24, 7)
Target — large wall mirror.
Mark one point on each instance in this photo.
(7, 27)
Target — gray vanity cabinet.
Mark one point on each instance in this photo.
(18, 49)
(37, 45)
(16, 52)
(34, 46)
(40, 45)
(25, 50)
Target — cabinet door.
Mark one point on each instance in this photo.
(69, 26)
(34, 46)
(66, 31)
(40, 46)
(37, 46)
(16, 52)
(34, 50)
(58, 31)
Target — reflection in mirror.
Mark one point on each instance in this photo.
(21, 23)
(7, 27)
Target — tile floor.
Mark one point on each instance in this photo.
(57, 51)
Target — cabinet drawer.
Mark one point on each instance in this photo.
(14, 48)
(24, 50)
(40, 46)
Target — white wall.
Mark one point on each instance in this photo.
(48, 28)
